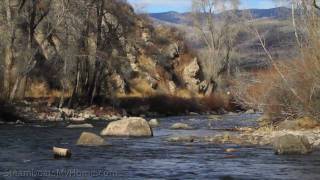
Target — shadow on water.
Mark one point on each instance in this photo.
(27, 149)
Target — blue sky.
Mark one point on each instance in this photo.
(185, 5)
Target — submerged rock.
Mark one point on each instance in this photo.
(225, 139)
(290, 144)
(80, 126)
(214, 118)
(181, 139)
(182, 126)
(154, 123)
(131, 127)
(230, 150)
(90, 139)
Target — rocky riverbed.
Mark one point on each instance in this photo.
(216, 147)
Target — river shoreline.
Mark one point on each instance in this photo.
(28, 112)
(31, 111)
(243, 136)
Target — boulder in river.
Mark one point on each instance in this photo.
(130, 127)
(154, 123)
(290, 144)
(80, 126)
(90, 139)
(182, 126)
(181, 139)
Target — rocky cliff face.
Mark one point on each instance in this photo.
(156, 61)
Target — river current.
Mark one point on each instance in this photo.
(25, 153)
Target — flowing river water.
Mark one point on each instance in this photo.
(25, 152)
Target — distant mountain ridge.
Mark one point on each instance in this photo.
(183, 18)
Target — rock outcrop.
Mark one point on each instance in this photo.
(128, 127)
(190, 74)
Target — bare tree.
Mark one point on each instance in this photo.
(9, 49)
(217, 24)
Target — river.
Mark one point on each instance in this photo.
(26, 151)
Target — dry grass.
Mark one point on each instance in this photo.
(185, 93)
(41, 90)
(216, 102)
(290, 89)
(140, 88)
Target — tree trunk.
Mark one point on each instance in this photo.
(9, 51)
(62, 95)
(15, 88)
(8, 60)
(209, 90)
(32, 20)
(76, 86)
(100, 15)
(211, 87)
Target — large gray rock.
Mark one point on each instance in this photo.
(178, 126)
(291, 145)
(130, 127)
(90, 139)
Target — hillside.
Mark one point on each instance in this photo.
(172, 17)
(274, 25)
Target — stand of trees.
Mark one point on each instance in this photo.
(218, 25)
(67, 43)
